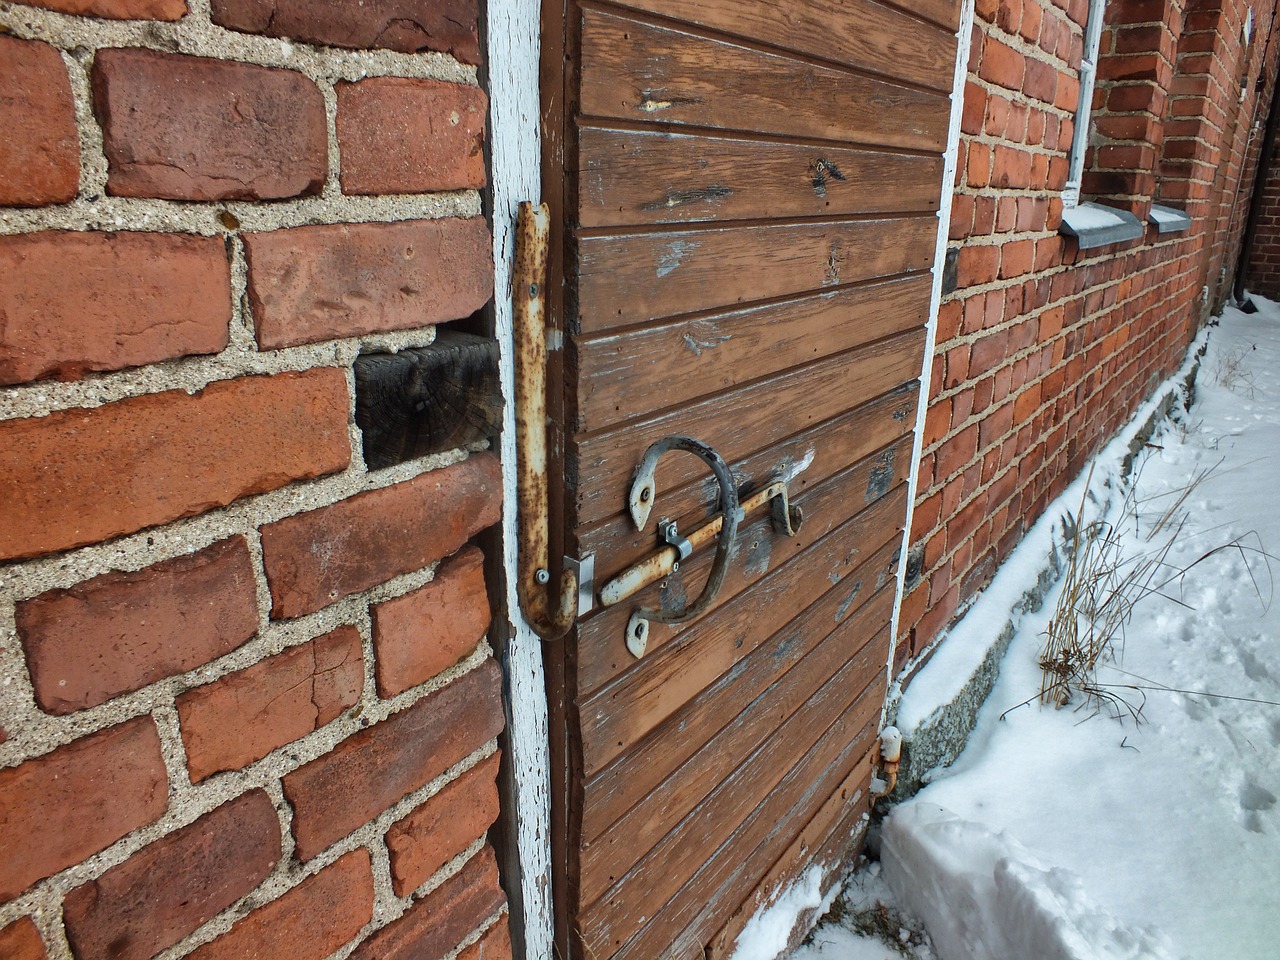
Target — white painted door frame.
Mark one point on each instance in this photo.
(515, 144)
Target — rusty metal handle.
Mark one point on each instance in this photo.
(641, 499)
(529, 278)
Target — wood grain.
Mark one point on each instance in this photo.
(740, 422)
(635, 177)
(858, 33)
(621, 375)
(809, 457)
(610, 855)
(625, 280)
(639, 71)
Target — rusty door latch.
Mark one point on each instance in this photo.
(675, 548)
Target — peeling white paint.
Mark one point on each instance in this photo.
(514, 137)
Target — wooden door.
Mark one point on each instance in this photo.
(748, 193)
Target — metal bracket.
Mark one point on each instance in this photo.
(676, 548)
(584, 571)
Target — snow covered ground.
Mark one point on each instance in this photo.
(1080, 832)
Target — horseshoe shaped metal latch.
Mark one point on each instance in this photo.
(723, 527)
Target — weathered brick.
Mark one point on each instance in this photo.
(409, 26)
(169, 888)
(21, 940)
(372, 769)
(315, 558)
(133, 298)
(344, 280)
(429, 630)
(309, 922)
(118, 9)
(67, 805)
(436, 924)
(443, 827)
(241, 718)
(186, 454)
(193, 128)
(400, 135)
(122, 631)
(40, 151)
(494, 945)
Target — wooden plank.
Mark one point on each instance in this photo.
(620, 376)
(779, 408)
(427, 399)
(626, 782)
(856, 33)
(809, 457)
(682, 927)
(642, 892)
(945, 13)
(610, 855)
(635, 278)
(634, 177)
(666, 679)
(604, 655)
(830, 840)
(639, 71)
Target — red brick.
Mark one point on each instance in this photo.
(21, 940)
(40, 151)
(315, 558)
(436, 924)
(169, 888)
(118, 9)
(409, 26)
(443, 827)
(311, 921)
(494, 945)
(345, 280)
(429, 630)
(120, 631)
(977, 265)
(133, 298)
(185, 454)
(1002, 65)
(1016, 258)
(67, 805)
(193, 128)
(241, 718)
(399, 135)
(374, 768)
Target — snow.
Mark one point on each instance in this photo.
(1080, 832)
(1092, 216)
(767, 932)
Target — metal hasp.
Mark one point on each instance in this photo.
(550, 611)
(666, 560)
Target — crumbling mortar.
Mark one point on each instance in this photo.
(333, 179)
(196, 35)
(93, 160)
(187, 807)
(106, 213)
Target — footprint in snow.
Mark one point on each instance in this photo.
(1254, 800)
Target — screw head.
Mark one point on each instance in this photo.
(543, 577)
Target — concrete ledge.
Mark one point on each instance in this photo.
(938, 711)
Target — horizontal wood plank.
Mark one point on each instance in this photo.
(621, 376)
(673, 674)
(739, 422)
(702, 907)
(857, 33)
(627, 781)
(636, 177)
(601, 638)
(631, 279)
(638, 71)
(808, 457)
(643, 891)
(609, 856)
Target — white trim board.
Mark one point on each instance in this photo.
(514, 138)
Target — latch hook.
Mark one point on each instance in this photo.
(641, 499)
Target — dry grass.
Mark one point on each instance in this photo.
(1106, 579)
(1232, 372)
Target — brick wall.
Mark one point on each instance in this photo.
(1263, 276)
(1043, 350)
(247, 705)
